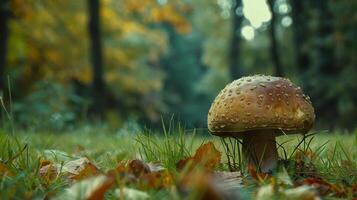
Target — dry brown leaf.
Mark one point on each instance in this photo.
(138, 168)
(99, 192)
(272, 192)
(93, 188)
(121, 174)
(186, 163)
(325, 188)
(121, 168)
(131, 194)
(156, 180)
(228, 180)
(207, 186)
(206, 156)
(80, 169)
(144, 175)
(48, 173)
(156, 166)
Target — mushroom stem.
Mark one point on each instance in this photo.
(260, 150)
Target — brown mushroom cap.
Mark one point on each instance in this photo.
(260, 102)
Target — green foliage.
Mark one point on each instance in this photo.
(50, 106)
(183, 71)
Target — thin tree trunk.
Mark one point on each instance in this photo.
(96, 57)
(4, 31)
(278, 71)
(300, 34)
(234, 56)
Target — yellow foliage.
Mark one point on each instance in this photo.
(168, 14)
(56, 45)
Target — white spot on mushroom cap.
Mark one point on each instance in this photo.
(299, 113)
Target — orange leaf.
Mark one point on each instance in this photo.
(207, 186)
(186, 162)
(122, 174)
(138, 168)
(121, 168)
(325, 187)
(156, 180)
(206, 155)
(101, 189)
(81, 168)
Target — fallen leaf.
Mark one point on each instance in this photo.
(144, 175)
(131, 194)
(156, 166)
(186, 163)
(204, 185)
(48, 173)
(228, 180)
(80, 169)
(206, 156)
(120, 173)
(156, 180)
(119, 169)
(325, 188)
(93, 188)
(272, 192)
(138, 168)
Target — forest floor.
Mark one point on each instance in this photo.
(92, 163)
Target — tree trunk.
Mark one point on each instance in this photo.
(300, 34)
(234, 56)
(4, 31)
(278, 71)
(96, 58)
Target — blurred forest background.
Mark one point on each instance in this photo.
(69, 61)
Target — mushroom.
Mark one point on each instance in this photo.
(256, 109)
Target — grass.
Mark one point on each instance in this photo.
(334, 156)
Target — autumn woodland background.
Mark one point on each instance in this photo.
(68, 62)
